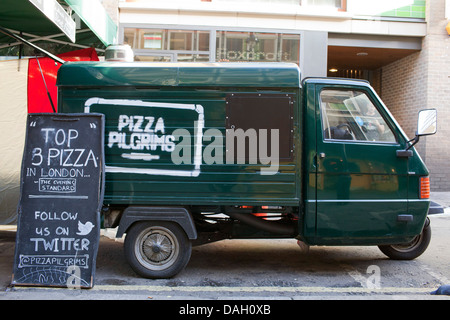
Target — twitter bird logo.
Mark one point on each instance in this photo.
(84, 229)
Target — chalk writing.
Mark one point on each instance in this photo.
(149, 137)
(141, 133)
(53, 260)
(58, 227)
(55, 244)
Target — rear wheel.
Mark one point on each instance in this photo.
(157, 249)
(411, 250)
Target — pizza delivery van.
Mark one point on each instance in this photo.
(197, 153)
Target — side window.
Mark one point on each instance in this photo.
(350, 115)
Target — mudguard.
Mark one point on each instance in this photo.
(178, 215)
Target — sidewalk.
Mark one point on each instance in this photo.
(443, 198)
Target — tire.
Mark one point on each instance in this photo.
(411, 250)
(157, 249)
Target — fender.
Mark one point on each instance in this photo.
(178, 215)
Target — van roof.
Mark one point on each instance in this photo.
(151, 74)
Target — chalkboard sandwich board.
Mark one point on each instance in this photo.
(58, 227)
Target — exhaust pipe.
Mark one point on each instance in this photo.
(270, 226)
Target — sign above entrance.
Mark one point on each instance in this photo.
(53, 11)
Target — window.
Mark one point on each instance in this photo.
(257, 46)
(351, 115)
(168, 45)
(153, 40)
(338, 4)
(181, 40)
(264, 2)
(159, 39)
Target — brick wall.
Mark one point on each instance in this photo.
(438, 94)
(420, 81)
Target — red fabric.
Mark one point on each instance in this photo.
(37, 94)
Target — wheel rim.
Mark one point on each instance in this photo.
(156, 248)
(407, 247)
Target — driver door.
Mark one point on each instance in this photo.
(361, 185)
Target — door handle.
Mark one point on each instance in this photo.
(316, 158)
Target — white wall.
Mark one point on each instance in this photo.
(13, 110)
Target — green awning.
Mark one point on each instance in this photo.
(95, 17)
(63, 23)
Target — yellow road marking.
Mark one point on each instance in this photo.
(259, 289)
(256, 289)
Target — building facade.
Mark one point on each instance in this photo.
(400, 46)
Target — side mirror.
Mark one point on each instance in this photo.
(427, 122)
(426, 125)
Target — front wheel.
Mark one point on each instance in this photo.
(411, 250)
(157, 249)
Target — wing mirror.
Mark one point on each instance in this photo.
(426, 125)
(427, 122)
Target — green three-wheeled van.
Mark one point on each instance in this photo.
(197, 153)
